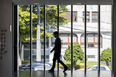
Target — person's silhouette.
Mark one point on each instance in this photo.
(57, 52)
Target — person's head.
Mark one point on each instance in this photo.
(56, 34)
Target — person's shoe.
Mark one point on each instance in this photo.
(66, 68)
(51, 70)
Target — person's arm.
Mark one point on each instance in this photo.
(54, 47)
(52, 50)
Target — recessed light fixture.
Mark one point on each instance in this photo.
(36, 3)
(78, 3)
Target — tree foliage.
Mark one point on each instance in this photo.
(78, 53)
(24, 23)
(106, 56)
(51, 20)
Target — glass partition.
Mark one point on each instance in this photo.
(93, 29)
(105, 51)
(92, 40)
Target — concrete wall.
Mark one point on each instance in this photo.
(6, 53)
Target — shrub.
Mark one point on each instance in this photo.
(76, 67)
(78, 53)
(106, 56)
(25, 62)
(80, 66)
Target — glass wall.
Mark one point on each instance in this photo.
(92, 40)
(24, 38)
(64, 26)
(51, 26)
(65, 35)
(105, 51)
(37, 39)
(78, 40)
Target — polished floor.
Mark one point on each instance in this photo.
(61, 74)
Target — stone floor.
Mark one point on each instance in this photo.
(61, 74)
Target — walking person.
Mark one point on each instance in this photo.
(57, 52)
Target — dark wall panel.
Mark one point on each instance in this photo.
(6, 38)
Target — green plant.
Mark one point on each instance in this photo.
(78, 53)
(25, 62)
(106, 56)
(80, 66)
(76, 66)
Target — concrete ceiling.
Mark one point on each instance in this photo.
(63, 2)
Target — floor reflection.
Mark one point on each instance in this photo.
(52, 74)
(61, 74)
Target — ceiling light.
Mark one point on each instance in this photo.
(36, 3)
(78, 3)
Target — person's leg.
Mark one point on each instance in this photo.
(62, 63)
(54, 63)
(53, 66)
(65, 67)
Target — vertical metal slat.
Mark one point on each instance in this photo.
(58, 35)
(112, 43)
(17, 36)
(98, 40)
(85, 72)
(58, 18)
(44, 36)
(71, 40)
(31, 8)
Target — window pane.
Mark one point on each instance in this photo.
(94, 16)
(106, 29)
(92, 51)
(87, 16)
(74, 38)
(82, 38)
(74, 16)
(96, 45)
(78, 48)
(82, 45)
(51, 26)
(64, 37)
(96, 37)
(90, 37)
(65, 31)
(24, 38)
